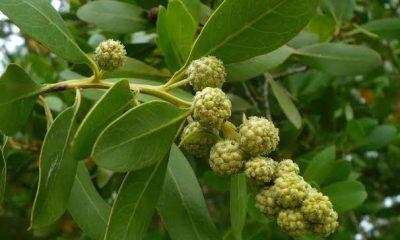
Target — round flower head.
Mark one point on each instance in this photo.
(327, 226)
(291, 190)
(316, 207)
(200, 145)
(226, 158)
(261, 169)
(266, 201)
(287, 166)
(211, 107)
(293, 221)
(206, 72)
(110, 55)
(258, 136)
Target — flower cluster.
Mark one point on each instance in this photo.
(110, 55)
(297, 206)
(283, 193)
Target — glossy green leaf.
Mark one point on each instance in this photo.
(339, 58)
(112, 104)
(42, 22)
(238, 203)
(242, 29)
(134, 68)
(181, 28)
(3, 168)
(86, 206)
(288, 107)
(57, 169)
(321, 166)
(258, 65)
(181, 204)
(346, 195)
(17, 97)
(385, 28)
(114, 16)
(139, 138)
(171, 55)
(339, 9)
(136, 201)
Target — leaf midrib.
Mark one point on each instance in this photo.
(90, 199)
(162, 126)
(183, 203)
(136, 205)
(330, 57)
(245, 27)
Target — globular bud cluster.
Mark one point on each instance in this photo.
(297, 206)
(110, 55)
(261, 169)
(226, 158)
(197, 140)
(206, 72)
(258, 136)
(211, 107)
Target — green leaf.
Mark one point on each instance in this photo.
(254, 27)
(17, 97)
(238, 203)
(346, 195)
(136, 201)
(258, 65)
(42, 22)
(388, 28)
(57, 169)
(194, 7)
(3, 169)
(114, 16)
(134, 68)
(176, 29)
(339, 9)
(341, 172)
(181, 204)
(321, 166)
(324, 26)
(112, 104)
(86, 206)
(288, 107)
(380, 137)
(145, 132)
(339, 59)
(172, 57)
(181, 28)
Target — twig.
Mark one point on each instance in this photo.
(289, 72)
(266, 99)
(250, 96)
(354, 220)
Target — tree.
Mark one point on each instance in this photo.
(188, 119)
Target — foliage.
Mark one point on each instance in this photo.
(91, 154)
